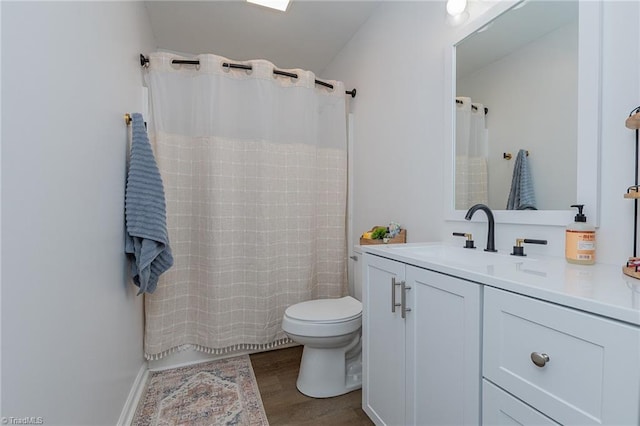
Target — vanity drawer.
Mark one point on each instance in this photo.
(593, 373)
(501, 409)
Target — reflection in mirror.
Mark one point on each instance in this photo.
(516, 86)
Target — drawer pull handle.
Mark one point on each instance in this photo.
(539, 359)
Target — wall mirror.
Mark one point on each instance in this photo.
(525, 76)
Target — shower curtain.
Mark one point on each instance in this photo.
(472, 153)
(254, 168)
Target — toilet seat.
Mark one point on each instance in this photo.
(323, 317)
(326, 310)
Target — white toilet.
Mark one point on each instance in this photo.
(330, 331)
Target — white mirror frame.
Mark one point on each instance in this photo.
(589, 121)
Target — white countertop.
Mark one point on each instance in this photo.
(599, 289)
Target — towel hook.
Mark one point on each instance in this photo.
(509, 156)
(127, 119)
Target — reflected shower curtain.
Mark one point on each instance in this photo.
(472, 153)
(254, 169)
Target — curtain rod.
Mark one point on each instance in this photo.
(144, 61)
(473, 107)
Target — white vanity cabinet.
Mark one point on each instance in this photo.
(497, 340)
(423, 369)
(573, 367)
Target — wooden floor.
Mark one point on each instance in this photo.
(276, 373)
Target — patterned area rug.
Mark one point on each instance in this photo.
(222, 392)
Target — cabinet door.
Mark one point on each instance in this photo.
(501, 409)
(443, 349)
(383, 342)
(576, 368)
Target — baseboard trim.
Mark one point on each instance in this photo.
(131, 404)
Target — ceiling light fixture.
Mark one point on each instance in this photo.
(274, 4)
(456, 7)
(457, 12)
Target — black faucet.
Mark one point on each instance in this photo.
(491, 243)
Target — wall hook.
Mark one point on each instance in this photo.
(509, 156)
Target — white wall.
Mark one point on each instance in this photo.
(396, 63)
(71, 322)
(620, 94)
(532, 99)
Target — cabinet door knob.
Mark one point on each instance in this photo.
(539, 359)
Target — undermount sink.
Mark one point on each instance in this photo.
(457, 255)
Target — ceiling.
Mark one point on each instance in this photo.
(307, 36)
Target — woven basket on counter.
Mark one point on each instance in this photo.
(398, 239)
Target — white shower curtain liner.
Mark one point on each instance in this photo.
(254, 168)
(472, 153)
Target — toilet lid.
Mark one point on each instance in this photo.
(326, 310)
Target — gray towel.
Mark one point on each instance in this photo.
(147, 240)
(521, 195)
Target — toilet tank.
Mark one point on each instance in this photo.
(355, 286)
